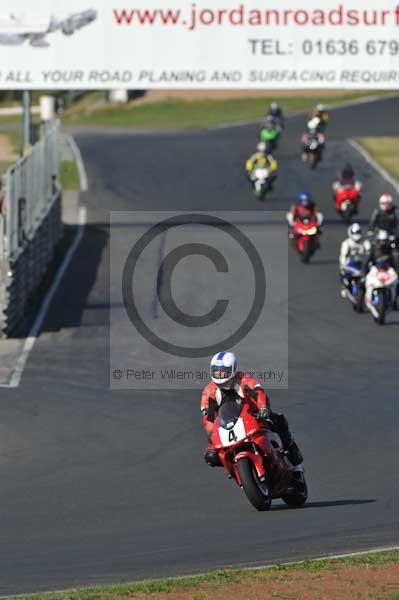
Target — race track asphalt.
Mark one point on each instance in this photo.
(101, 486)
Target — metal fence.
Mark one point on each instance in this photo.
(29, 190)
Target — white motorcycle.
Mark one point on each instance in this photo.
(262, 181)
(381, 289)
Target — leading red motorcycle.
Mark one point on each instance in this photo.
(254, 457)
(305, 234)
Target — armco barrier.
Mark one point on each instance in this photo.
(30, 228)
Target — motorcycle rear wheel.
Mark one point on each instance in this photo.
(347, 216)
(313, 160)
(298, 498)
(254, 490)
(380, 320)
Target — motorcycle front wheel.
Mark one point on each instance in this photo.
(308, 250)
(256, 491)
(358, 305)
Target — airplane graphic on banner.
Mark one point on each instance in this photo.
(15, 30)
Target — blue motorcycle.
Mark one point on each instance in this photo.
(353, 279)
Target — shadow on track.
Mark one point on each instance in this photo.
(328, 504)
(78, 283)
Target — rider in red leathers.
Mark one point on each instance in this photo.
(229, 385)
(304, 207)
(347, 179)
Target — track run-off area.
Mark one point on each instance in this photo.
(103, 486)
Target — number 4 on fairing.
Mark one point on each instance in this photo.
(232, 436)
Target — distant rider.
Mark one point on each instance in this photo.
(277, 114)
(260, 160)
(385, 217)
(347, 179)
(382, 250)
(229, 385)
(353, 247)
(312, 133)
(382, 255)
(304, 207)
(320, 112)
(269, 134)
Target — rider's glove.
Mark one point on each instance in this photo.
(251, 392)
(263, 413)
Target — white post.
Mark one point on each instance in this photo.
(121, 96)
(27, 120)
(47, 108)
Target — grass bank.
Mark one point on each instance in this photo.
(371, 576)
(385, 151)
(185, 113)
(69, 175)
(10, 147)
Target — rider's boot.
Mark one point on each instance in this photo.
(280, 424)
(212, 459)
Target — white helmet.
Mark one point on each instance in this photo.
(355, 232)
(320, 107)
(261, 147)
(274, 106)
(382, 236)
(386, 201)
(223, 367)
(313, 124)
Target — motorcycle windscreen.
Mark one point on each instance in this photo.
(229, 413)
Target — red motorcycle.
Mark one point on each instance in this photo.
(347, 199)
(254, 457)
(305, 234)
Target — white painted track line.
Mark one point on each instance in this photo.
(377, 550)
(368, 158)
(84, 184)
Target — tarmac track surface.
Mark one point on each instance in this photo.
(89, 494)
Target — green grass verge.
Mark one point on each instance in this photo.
(216, 579)
(384, 150)
(16, 120)
(70, 179)
(172, 114)
(15, 137)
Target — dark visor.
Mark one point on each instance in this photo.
(221, 372)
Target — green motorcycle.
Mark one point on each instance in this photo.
(270, 136)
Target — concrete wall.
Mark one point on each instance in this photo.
(21, 279)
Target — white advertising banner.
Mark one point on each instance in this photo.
(141, 44)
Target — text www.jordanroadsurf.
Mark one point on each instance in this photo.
(195, 17)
